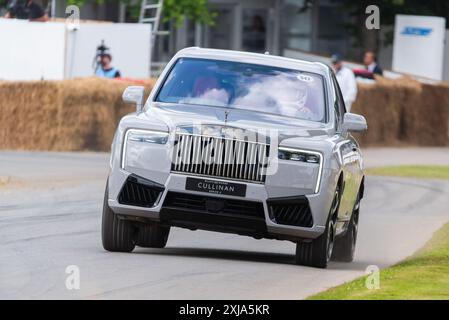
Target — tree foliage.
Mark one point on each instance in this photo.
(195, 10)
(174, 10)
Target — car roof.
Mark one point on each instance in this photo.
(254, 58)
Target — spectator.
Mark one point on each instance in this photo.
(25, 9)
(370, 62)
(346, 81)
(105, 70)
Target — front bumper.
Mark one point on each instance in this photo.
(262, 193)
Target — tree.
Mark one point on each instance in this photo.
(174, 10)
(195, 10)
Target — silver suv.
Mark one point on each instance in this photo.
(251, 144)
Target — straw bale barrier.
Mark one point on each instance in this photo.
(69, 115)
(82, 114)
(404, 112)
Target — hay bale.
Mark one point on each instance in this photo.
(70, 115)
(382, 104)
(428, 119)
(404, 112)
(26, 111)
(82, 114)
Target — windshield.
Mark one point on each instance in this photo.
(246, 86)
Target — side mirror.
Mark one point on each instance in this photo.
(134, 95)
(354, 122)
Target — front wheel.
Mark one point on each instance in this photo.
(152, 235)
(117, 234)
(317, 253)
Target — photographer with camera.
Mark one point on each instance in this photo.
(102, 63)
(25, 9)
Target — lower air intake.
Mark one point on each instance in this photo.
(291, 212)
(140, 192)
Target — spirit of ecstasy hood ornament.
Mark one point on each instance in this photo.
(227, 115)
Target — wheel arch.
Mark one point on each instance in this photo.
(340, 184)
(362, 188)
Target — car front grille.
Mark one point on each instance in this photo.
(140, 192)
(291, 211)
(220, 157)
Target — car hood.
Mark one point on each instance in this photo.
(181, 115)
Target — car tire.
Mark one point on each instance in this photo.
(344, 249)
(152, 235)
(317, 253)
(117, 234)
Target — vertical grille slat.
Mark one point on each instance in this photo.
(254, 162)
(183, 146)
(203, 156)
(238, 159)
(177, 153)
(220, 157)
(215, 166)
(228, 156)
(248, 168)
(197, 153)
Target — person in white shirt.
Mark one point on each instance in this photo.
(346, 80)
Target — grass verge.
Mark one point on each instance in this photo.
(423, 276)
(429, 172)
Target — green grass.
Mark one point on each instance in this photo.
(429, 172)
(423, 276)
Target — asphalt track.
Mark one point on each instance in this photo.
(50, 215)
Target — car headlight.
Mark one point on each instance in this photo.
(142, 136)
(298, 155)
(147, 136)
(305, 156)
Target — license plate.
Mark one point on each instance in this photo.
(216, 187)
